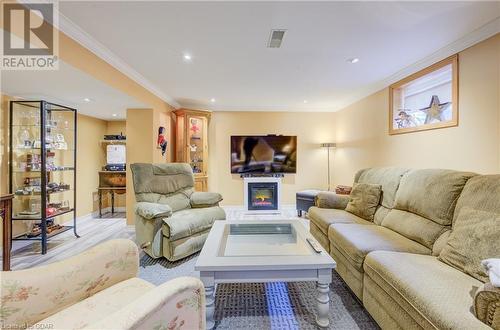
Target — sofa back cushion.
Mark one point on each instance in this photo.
(475, 236)
(389, 178)
(170, 184)
(425, 204)
(364, 200)
(482, 193)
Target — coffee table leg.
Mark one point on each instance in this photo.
(323, 299)
(208, 281)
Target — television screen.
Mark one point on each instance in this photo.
(264, 154)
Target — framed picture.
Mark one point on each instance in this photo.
(425, 100)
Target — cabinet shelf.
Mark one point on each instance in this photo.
(105, 142)
(56, 232)
(38, 217)
(39, 194)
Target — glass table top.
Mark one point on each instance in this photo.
(251, 239)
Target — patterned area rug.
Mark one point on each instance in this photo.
(276, 306)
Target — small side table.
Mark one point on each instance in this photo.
(6, 213)
(305, 199)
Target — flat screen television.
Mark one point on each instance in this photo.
(261, 154)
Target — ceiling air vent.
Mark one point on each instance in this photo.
(276, 38)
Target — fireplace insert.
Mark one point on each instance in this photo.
(262, 196)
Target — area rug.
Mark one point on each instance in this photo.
(276, 306)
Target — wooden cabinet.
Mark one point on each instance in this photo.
(191, 143)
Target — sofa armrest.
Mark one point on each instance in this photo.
(205, 199)
(176, 304)
(331, 200)
(487, 305)
(31, 295)
(152, 210)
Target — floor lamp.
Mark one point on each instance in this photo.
(329, 146)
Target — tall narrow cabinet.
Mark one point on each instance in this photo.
(42, 162)
(191, 143)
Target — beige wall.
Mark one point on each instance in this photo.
(90, 159)
(362, 128)
(311, 129)
(116, 127)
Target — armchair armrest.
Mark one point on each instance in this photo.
(31, 295)
(205, 199)
(152, 210)
(487, 305)
(331, 200)
(179, 303)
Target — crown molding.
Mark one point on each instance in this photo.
(79, 35)
(484, 32)
(256, 108)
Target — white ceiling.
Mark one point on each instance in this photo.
(69, 86)
(230, 61)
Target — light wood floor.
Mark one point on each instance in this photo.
(93, 231)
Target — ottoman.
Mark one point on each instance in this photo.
(305, 199)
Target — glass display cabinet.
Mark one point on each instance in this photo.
(192, 143)
(42, 161)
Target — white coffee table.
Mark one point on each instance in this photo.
(263, 251)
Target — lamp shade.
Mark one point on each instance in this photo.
(329, 145)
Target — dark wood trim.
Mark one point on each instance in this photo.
(6, 213)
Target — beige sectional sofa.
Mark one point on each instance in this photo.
(391, 264)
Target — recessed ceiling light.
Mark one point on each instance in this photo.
(187, 57)
(86, 99)
(114, 115)
(353, 60)
(212, 100)
(305, 101)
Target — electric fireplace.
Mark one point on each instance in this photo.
(262, 196)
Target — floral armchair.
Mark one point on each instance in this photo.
(98, 289)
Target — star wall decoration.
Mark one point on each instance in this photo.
(435, 110)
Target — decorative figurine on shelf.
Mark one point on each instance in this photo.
(194, 126)
(24, 138)
(193, 147)
(162, 141)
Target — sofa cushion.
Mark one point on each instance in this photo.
(323, 218)
(170, 184)
(185, 223)
(431, 193)
(414, 227)
(425, 202)
(481, 192)
(98, 306)
(388, 177)
(475, 236)
(436, 295)
(364, 200)
(355, 241)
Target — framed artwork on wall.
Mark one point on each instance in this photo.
(425, 100)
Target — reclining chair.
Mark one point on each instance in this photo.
(172, 220)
